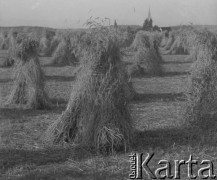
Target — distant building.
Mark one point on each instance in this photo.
(149, 15)
(147, 26)
(115, 24)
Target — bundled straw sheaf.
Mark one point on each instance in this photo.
(142, 40)
(148, 63)
(177, 47)
(28, 89)
(4, 41)
(189, 38)
(47, 43)
(44, 46)
(64, 52)
(202, 94)
(147, 57)
(165, 37)
(10, 60)
(97, 114)
(178, 41)
(170, 40)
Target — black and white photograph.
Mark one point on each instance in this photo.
(108, 89)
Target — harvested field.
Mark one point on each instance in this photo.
(86, 86)
(156, 112)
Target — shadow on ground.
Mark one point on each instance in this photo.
(167, 138)
(52, 164)
(60, 78)
(170, 74)
(68, 174)
(59, 102)
(5, 80)
(158, 97)
(10, 158)
(49, 78)
(161, 75)
(18, 113)
(177, 62)
(48, 64)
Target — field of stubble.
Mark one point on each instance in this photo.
(156, 112)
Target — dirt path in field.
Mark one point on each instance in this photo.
(157, 107)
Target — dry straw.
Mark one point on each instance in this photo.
(179, 41)
(97, 114)
(177, 47)
(147, 59)
(47, 43)
(44, 46)
(147, 63)
(53, 45)
(202, 94)
(10, 60)
(28, 89)
(64, 52)
(165, 37)
(4, 41)
(142, 40)
(170, 41)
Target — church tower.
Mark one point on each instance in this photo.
(149, 15)
(147, 26)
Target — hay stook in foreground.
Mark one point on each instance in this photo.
(97, 115)
(28, 89)
(202, 94)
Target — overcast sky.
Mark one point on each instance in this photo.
(73, 13)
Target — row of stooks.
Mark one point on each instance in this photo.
(58, 45)
(97, 114)
(172, 43)
(201, 96)
(61, 45)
